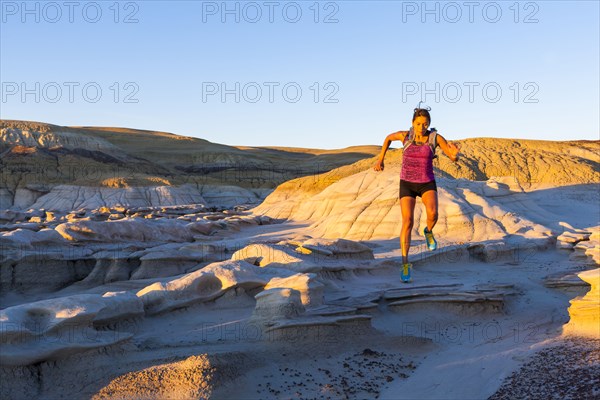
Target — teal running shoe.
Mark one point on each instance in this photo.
(431, 243)
(406, 272)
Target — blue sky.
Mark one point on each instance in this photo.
(353, 71)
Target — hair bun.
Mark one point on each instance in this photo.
(422, 108)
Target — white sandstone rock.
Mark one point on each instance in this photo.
(163, 230)
(274, 257)
(339, 248)
(119, 306)
(311, 290)
(365, 206)
(573, 237)
(276, 304)
(69, 197)
(206, 284)
(56, 328)
(227, 196)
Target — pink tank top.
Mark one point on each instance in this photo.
(417, 163)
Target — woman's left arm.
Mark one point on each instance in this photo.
(449, 148)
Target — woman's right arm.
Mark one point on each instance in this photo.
(400, 135)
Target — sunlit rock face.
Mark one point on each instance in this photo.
(584, 311)
(191, 378)
(365, 206)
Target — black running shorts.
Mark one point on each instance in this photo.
(414, 189)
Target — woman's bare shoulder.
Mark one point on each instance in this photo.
(400, 135)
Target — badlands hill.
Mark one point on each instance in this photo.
(529, 161)
(520, 164)
(38, 158)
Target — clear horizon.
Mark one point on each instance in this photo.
(325, 75)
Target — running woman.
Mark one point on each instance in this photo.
(416, 177)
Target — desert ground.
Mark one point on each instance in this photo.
(139, 264)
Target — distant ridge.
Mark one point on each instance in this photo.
(37, 156)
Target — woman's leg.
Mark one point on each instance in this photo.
(430, 200)
(407, 206)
